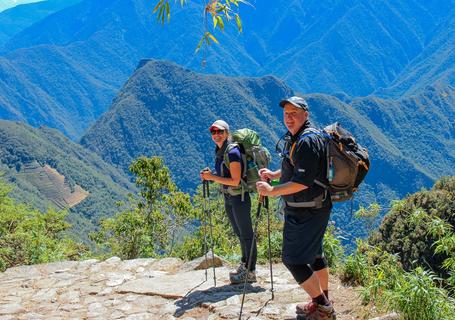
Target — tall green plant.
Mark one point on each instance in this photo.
(148, 225)
(418, 297)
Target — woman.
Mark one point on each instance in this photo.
(237, 205)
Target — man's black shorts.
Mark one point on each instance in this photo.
(303, 234)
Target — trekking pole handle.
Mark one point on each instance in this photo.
(264, 199)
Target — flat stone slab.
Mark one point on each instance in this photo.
(169, 286)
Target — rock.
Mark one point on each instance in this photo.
(57, 266)
(141, 316)
(233, 300)
(116, 278)
(167, 264)
(11, 308)
(23, 272)
(390, 316)
(272, 310)
(45, 295)
(87, 263)
(276, 280)
(113, 260)
(167, 286)
(201, 263)
(117, 315)
(135, 264)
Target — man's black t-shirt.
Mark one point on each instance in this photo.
(304, 228)
(307, 164)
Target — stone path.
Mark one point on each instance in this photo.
(151, 289)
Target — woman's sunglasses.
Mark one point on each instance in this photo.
(214, 132)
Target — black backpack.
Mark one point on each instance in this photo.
(347, 161)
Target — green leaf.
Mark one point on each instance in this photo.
(199, 45)
(158, 5)
(211, 37)
(220, 22)
(168, 11)
(239, 23)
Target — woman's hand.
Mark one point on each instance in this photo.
(267, 174)
(206, 174)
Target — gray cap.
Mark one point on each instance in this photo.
(220, 124)
(297, 102)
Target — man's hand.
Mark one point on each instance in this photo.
(264, 189)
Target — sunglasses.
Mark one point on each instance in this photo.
(214, 132)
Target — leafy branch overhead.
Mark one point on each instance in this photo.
(219, 11)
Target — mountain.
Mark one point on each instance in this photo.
(49, 170)
(352, 46)
(434, 66)
(64, 70)
(20, 17)
(165, 110)
(12, 3)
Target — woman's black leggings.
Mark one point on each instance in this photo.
(239, 214)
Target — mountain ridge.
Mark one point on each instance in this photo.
(93, 47)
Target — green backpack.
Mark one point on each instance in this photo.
(254, 157)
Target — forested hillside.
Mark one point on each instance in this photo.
(49, 170)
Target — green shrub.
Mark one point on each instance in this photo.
(354, 270)
(28, 236)
(416, 296)
(333, 250)
(151, 224)
(414, 225)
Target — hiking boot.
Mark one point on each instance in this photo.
(314, 311)
(240, 277)
(307, 307)
(238, 270)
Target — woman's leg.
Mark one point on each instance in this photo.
(233, 221)
(242, 214)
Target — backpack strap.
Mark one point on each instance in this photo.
(315, 204)
(230, 189)
(319, 200)
(307, 132)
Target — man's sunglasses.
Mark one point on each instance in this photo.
(214, 132)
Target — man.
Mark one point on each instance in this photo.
(307, 207)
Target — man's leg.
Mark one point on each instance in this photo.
(323, 276)
(312, 286)
(320, 267)
(309, 281)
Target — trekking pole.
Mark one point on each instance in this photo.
(204, 209)
(266, 205)
(211, 232)
(258, 214)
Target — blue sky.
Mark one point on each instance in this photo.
(5, 4)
